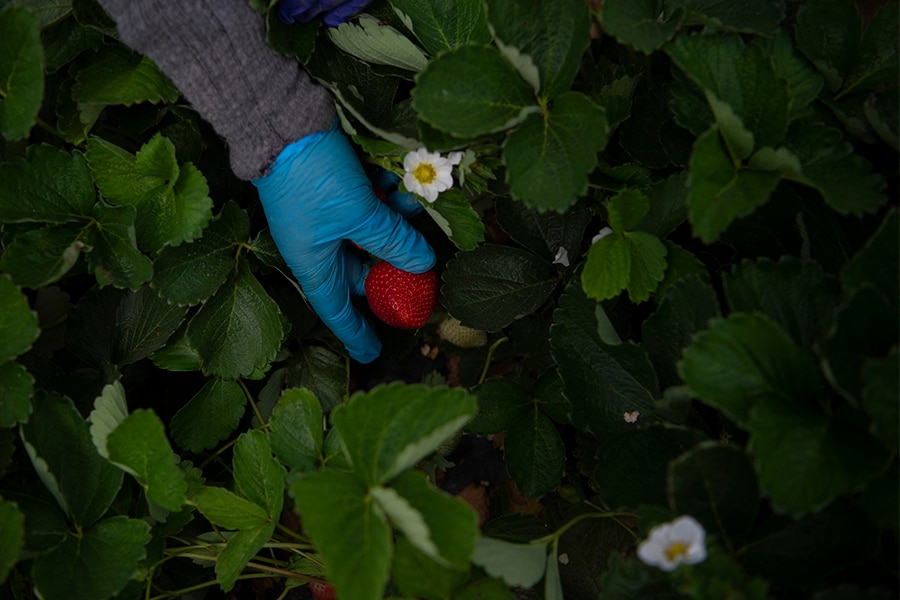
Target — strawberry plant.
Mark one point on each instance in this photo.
(669, 228)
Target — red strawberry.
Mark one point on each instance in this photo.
(321, 590)
(382, 195)
(400, 298)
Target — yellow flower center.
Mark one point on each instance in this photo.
(675, 551)
(424, 173)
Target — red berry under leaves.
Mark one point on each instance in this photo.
(399, 298)
(321, 591)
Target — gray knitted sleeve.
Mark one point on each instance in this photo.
(215, 52)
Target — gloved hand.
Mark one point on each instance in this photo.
(316, 197)
(333, 12)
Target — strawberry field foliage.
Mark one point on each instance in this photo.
(728, 350)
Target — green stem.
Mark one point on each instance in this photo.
(552, 537)
(490, 356)
(293, 534)
(252, 402)
(200, 586)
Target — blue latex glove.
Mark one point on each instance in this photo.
(333, 12)
(316, 197)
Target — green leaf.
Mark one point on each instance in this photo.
(118, 76)
(47, 11)
(39, 257)
(366, 95)
(418, 576)
(472, 91)
(18, 323)
(191, 273)
(545, 42)
(828, 163)
(716, 484)
(125, 178)
(745, 360)
(879, 55)
(348, 530)
(226, 509)
(879, 398)
(865, 326)
(875, 264)
(115, 259)
(238, 551)
(297, 40)
(684, 309)
(632, 465)
(321, 371)
(626, 209)
(139, 445)
(544, 233)
(144, 322)
(258, 476)
(454, 214)
(375, 42)
(58, 442)
(721, 191)
(177, 355)
(645, 25)
(296, 430)
(602, 381)
(492, 286)
(635, 261)
(450, 525)
(831, 456)
(755, 16)
(66, 40)
(209, 416)
(534, 453)
(110, 409)
(21, 72)
(549, 156)
(16, 389)
(390, 428)
(238, 330)
(749, 101)
(444, 25)
(879, 112)
(799, 296)
(173, 204)
(829, 32)
(48, 185)
(804, 82)
(96, 564)
(517, 564)
(12, 537)
(500, 402)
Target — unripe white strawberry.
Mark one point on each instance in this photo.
(458, 334)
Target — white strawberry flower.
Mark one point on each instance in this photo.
(671, 544)
(428, 173)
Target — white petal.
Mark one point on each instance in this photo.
(602, 234)
(455, 158)
(562, 257)
(430, 193)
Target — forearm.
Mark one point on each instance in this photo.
(215, 52)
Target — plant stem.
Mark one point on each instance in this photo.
(200, 586)
(552, 537)
(490, 356)
(252, 402)
(251, 564)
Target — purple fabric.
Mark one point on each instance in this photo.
(333, 12)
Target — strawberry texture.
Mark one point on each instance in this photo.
(321, 591)
(400, 298)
